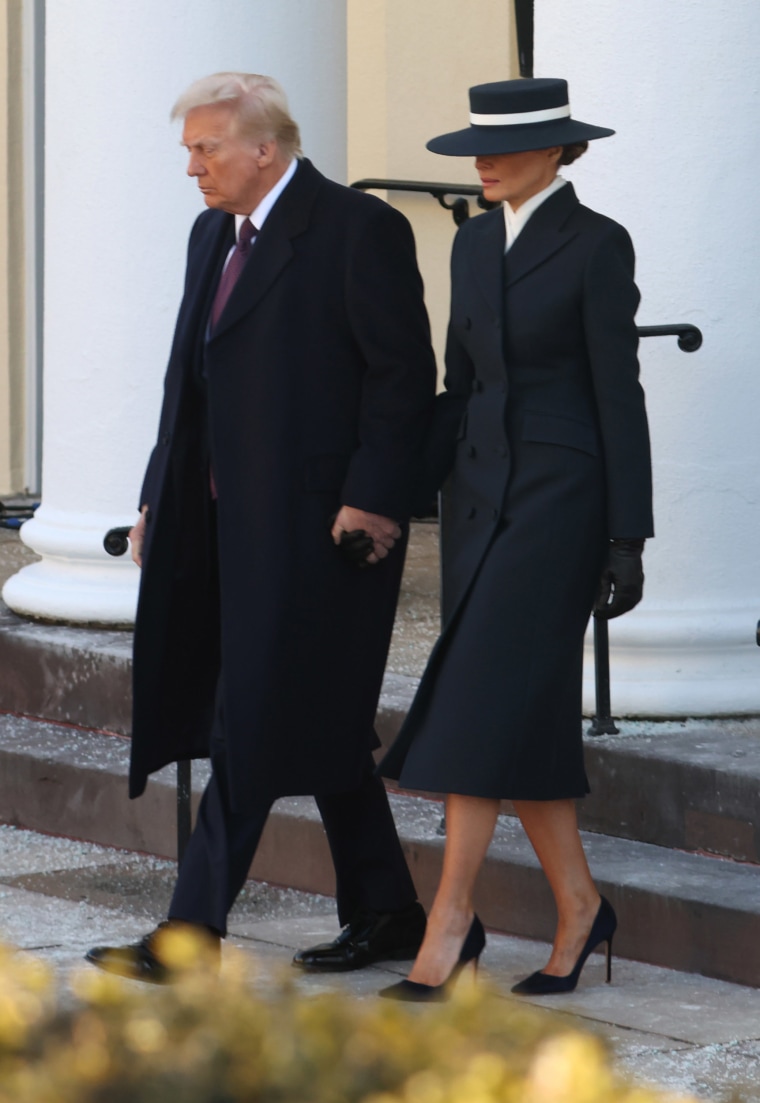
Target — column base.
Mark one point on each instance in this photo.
(76, 581)
(679, 663)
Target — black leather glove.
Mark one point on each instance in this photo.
(622, 583)
(356, 546)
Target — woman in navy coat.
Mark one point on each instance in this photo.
(545, 512)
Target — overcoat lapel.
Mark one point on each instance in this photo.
(543, 235)
(272, 249)
(486, 255)
(203, 279)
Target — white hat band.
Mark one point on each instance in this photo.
(518, 117)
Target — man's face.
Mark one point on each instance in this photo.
(227, 167)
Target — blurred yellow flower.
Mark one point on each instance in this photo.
(145, 1035)
(212, 1037)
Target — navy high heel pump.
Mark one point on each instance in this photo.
(414, 992)
(602, 930)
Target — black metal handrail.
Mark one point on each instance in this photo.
(14, 514)
(689, 340)
(524, 25)
(460, 208)
(116, 543)
(115, 540)
(689, 336)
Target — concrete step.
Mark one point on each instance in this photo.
(692, 784)
(691, 912)
(689, 784)
(76, 675)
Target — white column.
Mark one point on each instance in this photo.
(118, 210)
(679, 82)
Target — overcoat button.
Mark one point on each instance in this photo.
(468, 323)
(166, 438)
(471, 453)
(472, 513)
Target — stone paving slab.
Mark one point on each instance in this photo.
(686, 1033)
(678, 1008)
(721, 1073)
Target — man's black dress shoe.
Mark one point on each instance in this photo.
(141, 960)
(369, 937)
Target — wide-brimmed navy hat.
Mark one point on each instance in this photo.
(512, 116)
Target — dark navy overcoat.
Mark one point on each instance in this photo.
(314, 390)
(550, 460)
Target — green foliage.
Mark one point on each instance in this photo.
(210, 1039)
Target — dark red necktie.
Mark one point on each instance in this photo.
(228, 280)
(234, 267)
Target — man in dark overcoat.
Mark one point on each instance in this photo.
(272, 528)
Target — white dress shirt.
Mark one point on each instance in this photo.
(258, 217)
(515, 220)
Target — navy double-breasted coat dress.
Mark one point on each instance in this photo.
(314, 390)
(551, 460)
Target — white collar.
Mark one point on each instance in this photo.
(515, 220)
(259, 215)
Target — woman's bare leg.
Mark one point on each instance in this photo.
(470, 823)
(552, 827)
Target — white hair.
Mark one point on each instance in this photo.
(259, 104)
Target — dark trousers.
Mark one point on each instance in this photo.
(370, 868)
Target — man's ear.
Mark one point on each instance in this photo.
(265, 154)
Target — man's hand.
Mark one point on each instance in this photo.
(383, 531)
(622, 583)
(137, 537)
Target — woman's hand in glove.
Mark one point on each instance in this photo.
(622, 583)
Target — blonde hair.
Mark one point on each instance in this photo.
(259, 104)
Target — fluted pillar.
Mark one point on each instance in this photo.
(679, 82)
(118, 210)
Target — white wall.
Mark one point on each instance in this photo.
(681, 85)
(410, 67)
(118, 212)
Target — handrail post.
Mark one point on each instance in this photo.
(184, 810)
(602, 722)
(524, 24)
(116, 542)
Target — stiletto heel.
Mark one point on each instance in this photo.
(602, 930)
(414, 992)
